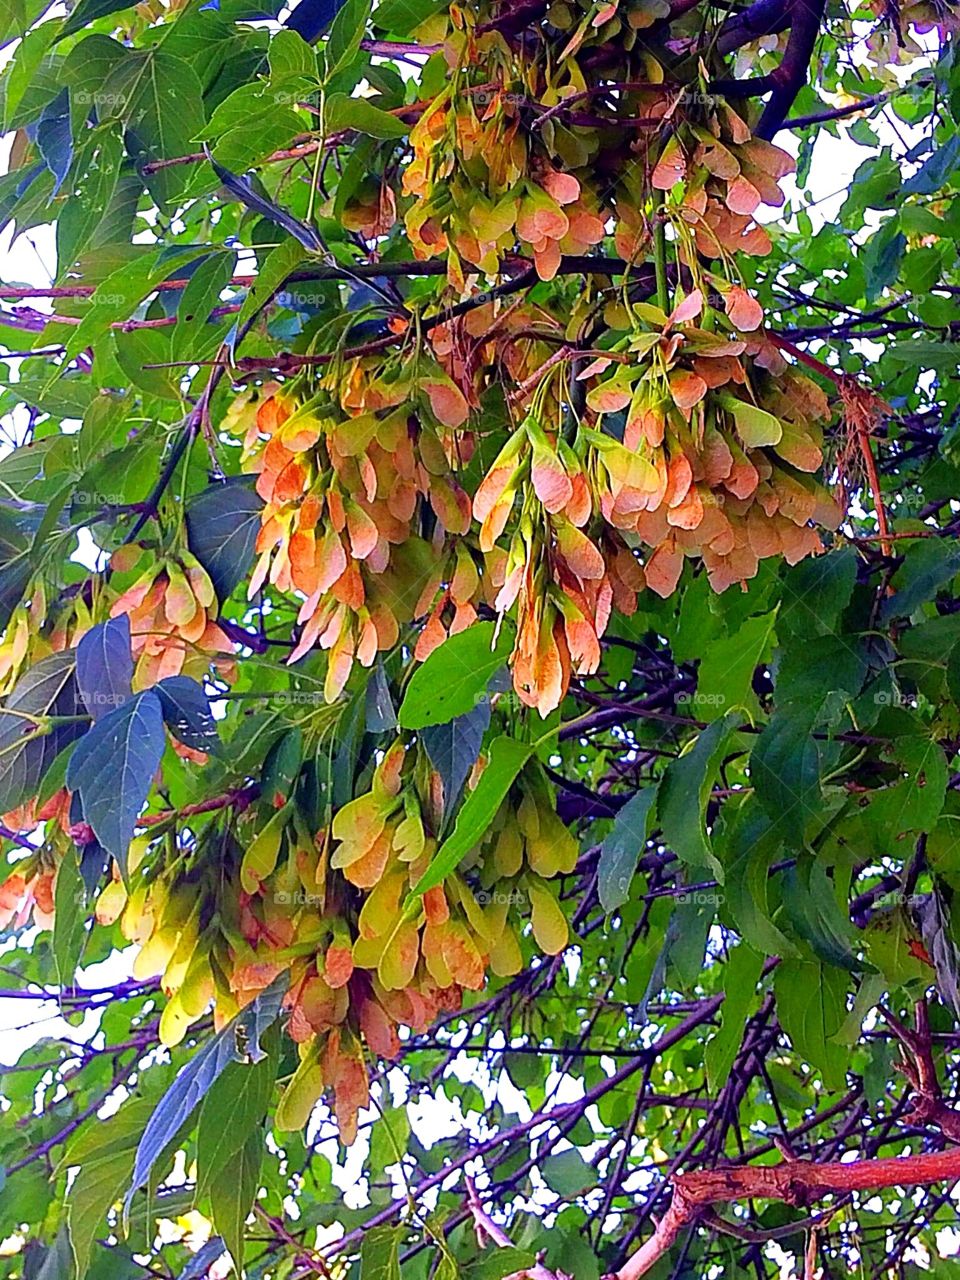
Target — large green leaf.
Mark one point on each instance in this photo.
(241, 1040)
(454, 677)
(112, 769)
(622, 848)
(103, 1156)
(684, 792)
(507, 758)
(222, 524)
(47, 689)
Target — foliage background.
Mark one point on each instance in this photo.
(802, 733)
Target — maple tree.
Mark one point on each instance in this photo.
(481, 641)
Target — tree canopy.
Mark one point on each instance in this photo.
(480, 665)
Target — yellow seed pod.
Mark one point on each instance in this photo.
(549, 922)
(408, 839)
(174, 907)
(155, 955)
(528, 817)
(432, 946)
(471, 907)
(398, 963)
(137, 852)
(179, 962)
(174, 1022)
(111, 903)
(554, 850)
(179, 603)
(303, 1092)
(138, 920)
(197, 989)
(505, 956)
(508, 851)
(261, 855)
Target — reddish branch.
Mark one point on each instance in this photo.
(917, 1065)
(795, 1181)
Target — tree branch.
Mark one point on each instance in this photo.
(794, 1181)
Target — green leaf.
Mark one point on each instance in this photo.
(812, 1005)
(495, 1264)
(881, 257)
(88, 11)
(240, 1040)
(810, 901)
(279, 264)
(749, 844)
(507, 758)
(403, 16)
(199, 298)
(112, 768)
(622, 848)
(815, 591)
(117, 295)
(105, 666)
(103, 1155)
(454, 748)
(684, 792)
(914, 803)
(346, 32)
(953, 673)
(926, 568)
(292, 58)
(725, 678)
(232, 1195)
(222, 526)
(187, 714)
(343, 112)
(70, 902)
(49, 688)
(454, 678)
(104, 427)
(785, 767)
(232, 1110)
(568, 1173)
(741, 973)
(160, 101)
(380, 1253)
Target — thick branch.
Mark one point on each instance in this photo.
(795, 1181)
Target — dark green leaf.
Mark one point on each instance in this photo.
(70, 914)
(222, 526)
(49, 688)
(105, 666)
(239, 1040)
(187, 714)
(684, 792)
(112, 768)
(622, 848)
(453, 748)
